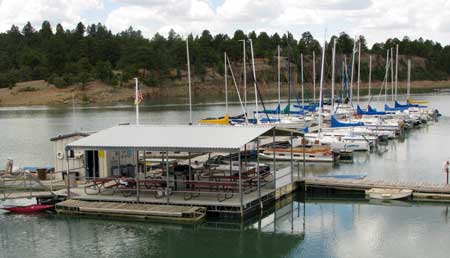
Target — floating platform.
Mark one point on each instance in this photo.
(170, 213)
(20, 195)
(420, 190)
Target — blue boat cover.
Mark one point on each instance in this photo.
(359, 111)
(287, 110)
(271, 111)
(335, 123)
(371, 109)
(388, 108)
(407, 105)
(311, 108)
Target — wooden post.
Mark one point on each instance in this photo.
(136, 176)
(258, 183)
(292, 157)
(94, 163)
(231, 163)
(67, 175)
(167, 176)
(241, 197)
(190, 169)
(274, 161)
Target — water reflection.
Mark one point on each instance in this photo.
(324, 226)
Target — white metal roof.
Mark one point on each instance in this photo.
(194, 138)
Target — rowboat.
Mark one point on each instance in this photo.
(388, 193)
(29, 208)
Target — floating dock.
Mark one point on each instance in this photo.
(421, 190)
(172, 213)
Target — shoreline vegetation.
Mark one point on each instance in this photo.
(90, 64)
(37, 93)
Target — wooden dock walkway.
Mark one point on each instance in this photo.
(20, 195)
(421, 190)
(173, 213)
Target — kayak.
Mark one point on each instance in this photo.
(28, 209)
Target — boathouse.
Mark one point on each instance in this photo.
(239, 185)
(76, 160)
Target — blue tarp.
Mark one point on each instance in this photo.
(335, 123)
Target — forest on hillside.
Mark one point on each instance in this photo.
(68, 56)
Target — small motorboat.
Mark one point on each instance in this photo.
(388, 193)
(33, 208)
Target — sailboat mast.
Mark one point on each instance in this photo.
(245, 75)
(189, 80)
(314, 77)
(408, 88)
(370, 74)
(302, 79)
(289, 84)
(254, 80)
(387, 72)
(333, 61)
(351, 75)
(279, 81)
(392, 73)
(321, 84)
(359, 69)
(226, 82)
(396, 70)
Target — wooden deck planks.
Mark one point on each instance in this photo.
(365, 184)
(138, 209)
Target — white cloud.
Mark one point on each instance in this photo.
(67, 12)
(377, 20)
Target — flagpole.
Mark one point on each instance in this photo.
(189, 80)
(136, 100)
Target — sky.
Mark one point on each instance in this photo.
(377, 20)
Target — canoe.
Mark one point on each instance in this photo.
(29, 208)
(388, 193)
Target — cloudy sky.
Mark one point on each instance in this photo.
(376, 19)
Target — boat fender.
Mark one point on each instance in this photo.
(60, 155)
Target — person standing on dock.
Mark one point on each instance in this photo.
(9, 165)
(445, 167)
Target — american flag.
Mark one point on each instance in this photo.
(138, 99)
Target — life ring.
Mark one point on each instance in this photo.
(60, 155)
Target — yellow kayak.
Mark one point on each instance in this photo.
(417, 102)
(216, 121)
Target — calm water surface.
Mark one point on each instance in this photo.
(319, 228)
(25, 134)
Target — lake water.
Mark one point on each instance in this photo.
(321, 228)
(26, 132)
(317, 227)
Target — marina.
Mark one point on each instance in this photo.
(330, 169)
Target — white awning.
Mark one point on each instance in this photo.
(194, 138)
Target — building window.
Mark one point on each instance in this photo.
(71, 154)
